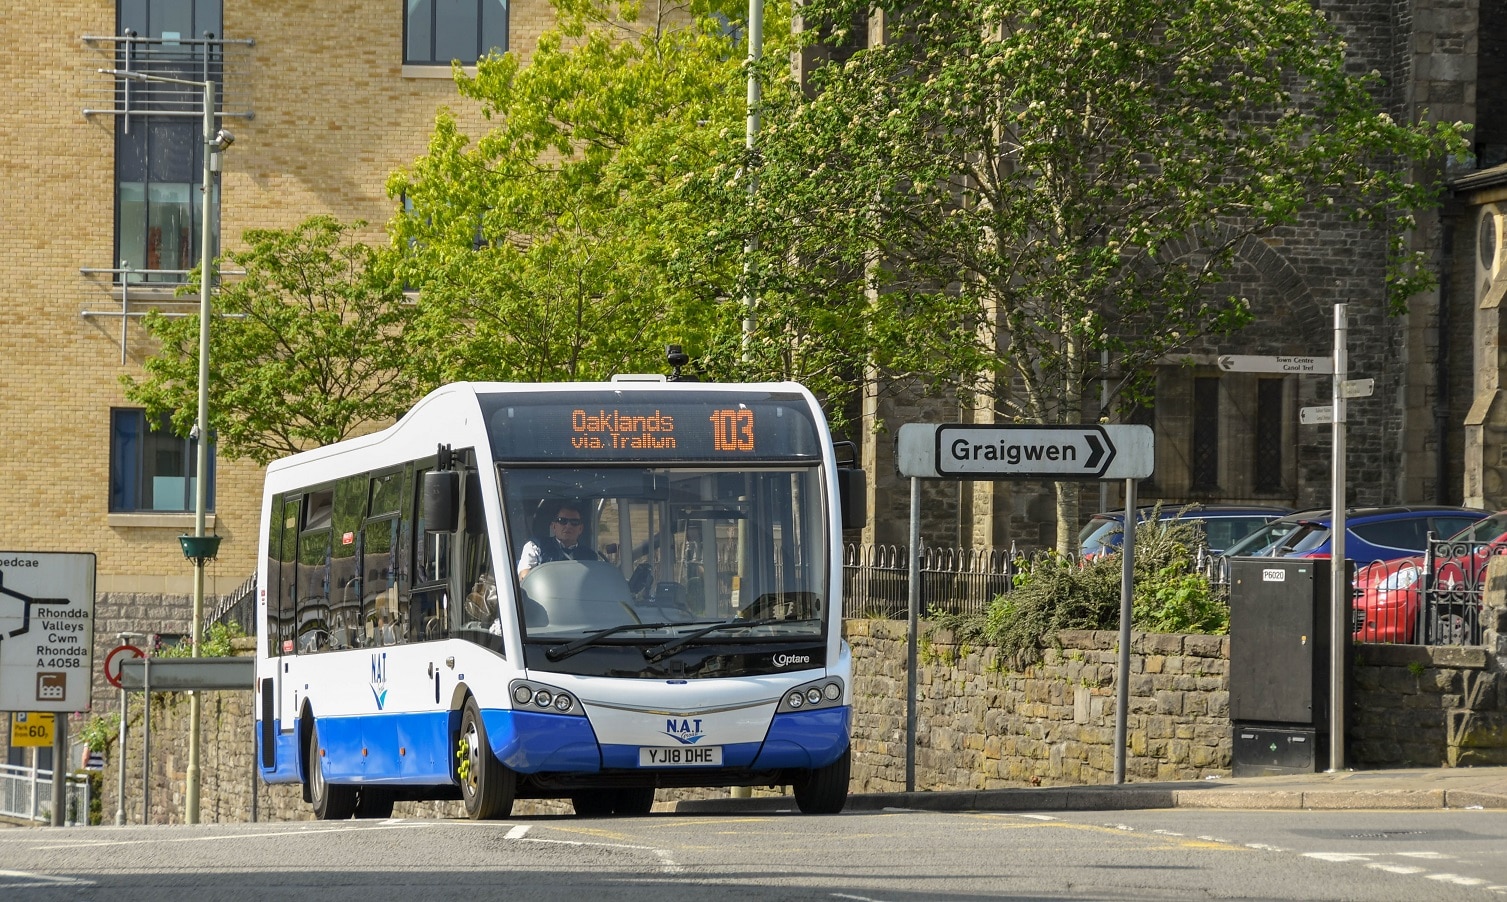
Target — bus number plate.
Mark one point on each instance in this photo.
(682, 756)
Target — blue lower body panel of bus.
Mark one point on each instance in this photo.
(417, 748)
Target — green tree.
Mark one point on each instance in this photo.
(1004, 190)
(553, 247)
(306, 348)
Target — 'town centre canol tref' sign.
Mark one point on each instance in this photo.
(46, 630)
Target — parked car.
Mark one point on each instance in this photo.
(1222, 524)
(1389, 594)
(1371, 533)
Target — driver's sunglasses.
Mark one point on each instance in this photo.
(568, 521)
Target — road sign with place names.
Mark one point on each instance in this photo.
(46, 631)
(1310, 416)
(982, 451)
(1357, 388)
(1302, 366)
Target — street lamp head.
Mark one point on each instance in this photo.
(222, 140)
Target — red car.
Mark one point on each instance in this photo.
(1388, 594)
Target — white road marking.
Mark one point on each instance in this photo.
(1339, 856)
(100, 844)
(518, 832)
(1457, 879)
(1394, 868)
(24, 879)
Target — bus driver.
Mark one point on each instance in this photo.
(563, 543)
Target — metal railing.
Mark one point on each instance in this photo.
(876, 579)
(1435, 601)
(239, 606)
(227, 63)
(26, 794)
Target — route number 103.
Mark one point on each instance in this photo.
(732, 430)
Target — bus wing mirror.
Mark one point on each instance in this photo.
(441, 490)
(852, 495)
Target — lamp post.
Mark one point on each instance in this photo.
(202, 547)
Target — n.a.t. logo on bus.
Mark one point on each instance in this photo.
(379, 678)
(732, 430)
(686, 731)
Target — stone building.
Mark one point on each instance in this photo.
(326, 99)
(1433, 430)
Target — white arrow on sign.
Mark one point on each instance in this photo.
(965, 450)
(1311, 415)
(1303, 366)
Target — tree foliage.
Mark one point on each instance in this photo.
(1003, 190)
(306, 348)
(552, 247)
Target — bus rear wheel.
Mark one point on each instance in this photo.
(824, 790)
(332, 801)
(486, 785)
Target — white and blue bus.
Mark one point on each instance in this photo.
(401, 655)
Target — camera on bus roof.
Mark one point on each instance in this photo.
(675, 356)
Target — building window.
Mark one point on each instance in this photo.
(158, 177)
(151, 469)
(438, 32)
(159, 145)
(1269, 406)
(1205, 450)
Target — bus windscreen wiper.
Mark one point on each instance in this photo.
(561, 652)
(665, 648)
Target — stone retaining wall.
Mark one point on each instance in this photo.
(980, 724)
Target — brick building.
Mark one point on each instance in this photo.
(326, 99)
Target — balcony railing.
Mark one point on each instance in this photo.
(227, 63)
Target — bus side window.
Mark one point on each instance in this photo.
(429, 603)
(282, 572)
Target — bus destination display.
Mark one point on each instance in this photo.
(732, 430)
(656, 430)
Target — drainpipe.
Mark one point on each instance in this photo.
(1441, 356)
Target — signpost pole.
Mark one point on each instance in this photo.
(146, 742)
(913, 621)
(59, 768)
(1122, 675)
(1339, 585)
(120, 797)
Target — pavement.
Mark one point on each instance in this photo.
(1423, 788)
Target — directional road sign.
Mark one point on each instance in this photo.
(981, 451)
(46, 631)
(1302, 366)
(1309, 416)
(1357, 388)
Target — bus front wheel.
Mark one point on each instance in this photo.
(824, 790)
(486, 785)
(332, 801)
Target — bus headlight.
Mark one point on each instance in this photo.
(823, 693)
(540, 698)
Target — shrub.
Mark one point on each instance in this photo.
(214, 644)
(1054, 593)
